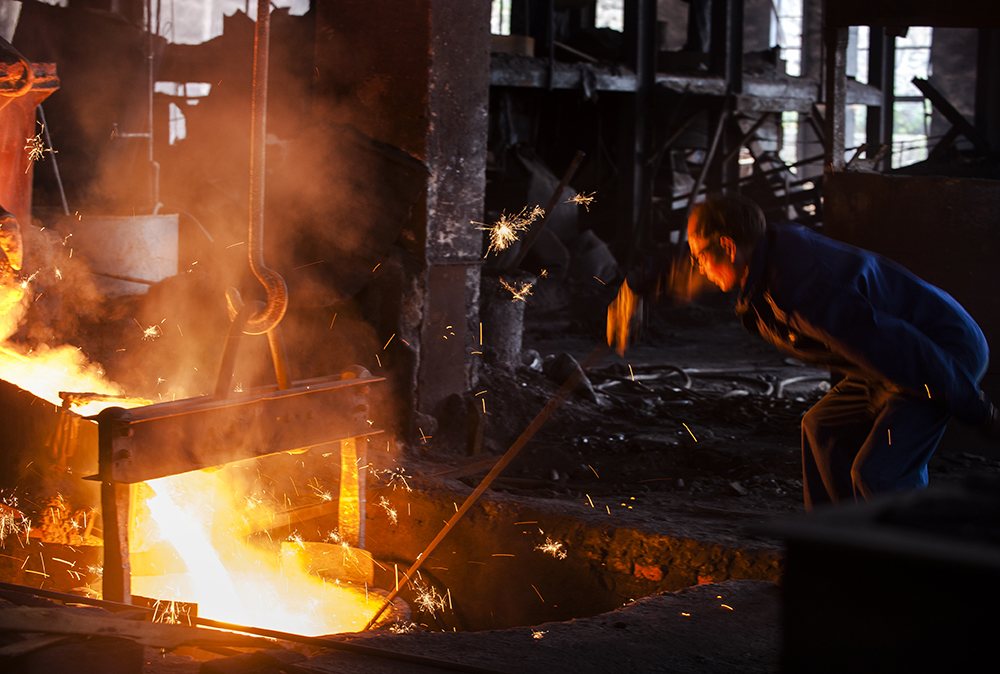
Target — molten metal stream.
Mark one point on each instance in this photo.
(193, 543)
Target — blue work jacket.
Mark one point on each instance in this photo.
(831, 304)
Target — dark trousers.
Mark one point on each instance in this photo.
(862, 439)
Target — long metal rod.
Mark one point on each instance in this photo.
(526, 435)
(52, 156)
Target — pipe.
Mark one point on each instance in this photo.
(277, 292)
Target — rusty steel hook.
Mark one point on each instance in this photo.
(277, 292)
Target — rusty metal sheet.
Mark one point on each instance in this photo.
(179, 436)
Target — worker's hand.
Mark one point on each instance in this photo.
(10, 240)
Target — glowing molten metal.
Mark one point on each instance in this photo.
(192, 534)
(194, 543)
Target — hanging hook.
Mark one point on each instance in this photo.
(277, 292)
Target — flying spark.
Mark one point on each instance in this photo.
(428, 599)
(35, 147)
(324, 495)
(171, 613)
(551, 547)
(390, 512)
(12, 521)
(395, 477)
(538, 634)
(504, 232)
(518, 294)
(582, 200)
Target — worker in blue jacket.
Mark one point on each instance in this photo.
(911, 357)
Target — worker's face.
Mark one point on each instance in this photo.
(714, 257)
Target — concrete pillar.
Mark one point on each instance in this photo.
(812, 67)
(415, 75)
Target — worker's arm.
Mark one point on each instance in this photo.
(894, 350)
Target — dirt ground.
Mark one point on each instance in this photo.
(693, 433)
(697, 415)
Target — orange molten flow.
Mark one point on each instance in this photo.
(620, 313)
(46, 372)
(192, 542)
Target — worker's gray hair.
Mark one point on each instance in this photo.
(734, 216)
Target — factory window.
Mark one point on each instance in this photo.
(201, 23)
(184, 95)
(857, 67)
(178, 124)
(789, 135)
(500, 17)
(911, 112)
(858, 46)
(786, 33)
(610, 14)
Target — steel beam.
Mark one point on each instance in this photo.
(175, 437)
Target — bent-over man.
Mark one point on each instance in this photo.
(910, 355)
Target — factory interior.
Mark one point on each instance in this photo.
(366, 335)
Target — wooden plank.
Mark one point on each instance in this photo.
(79, 621)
